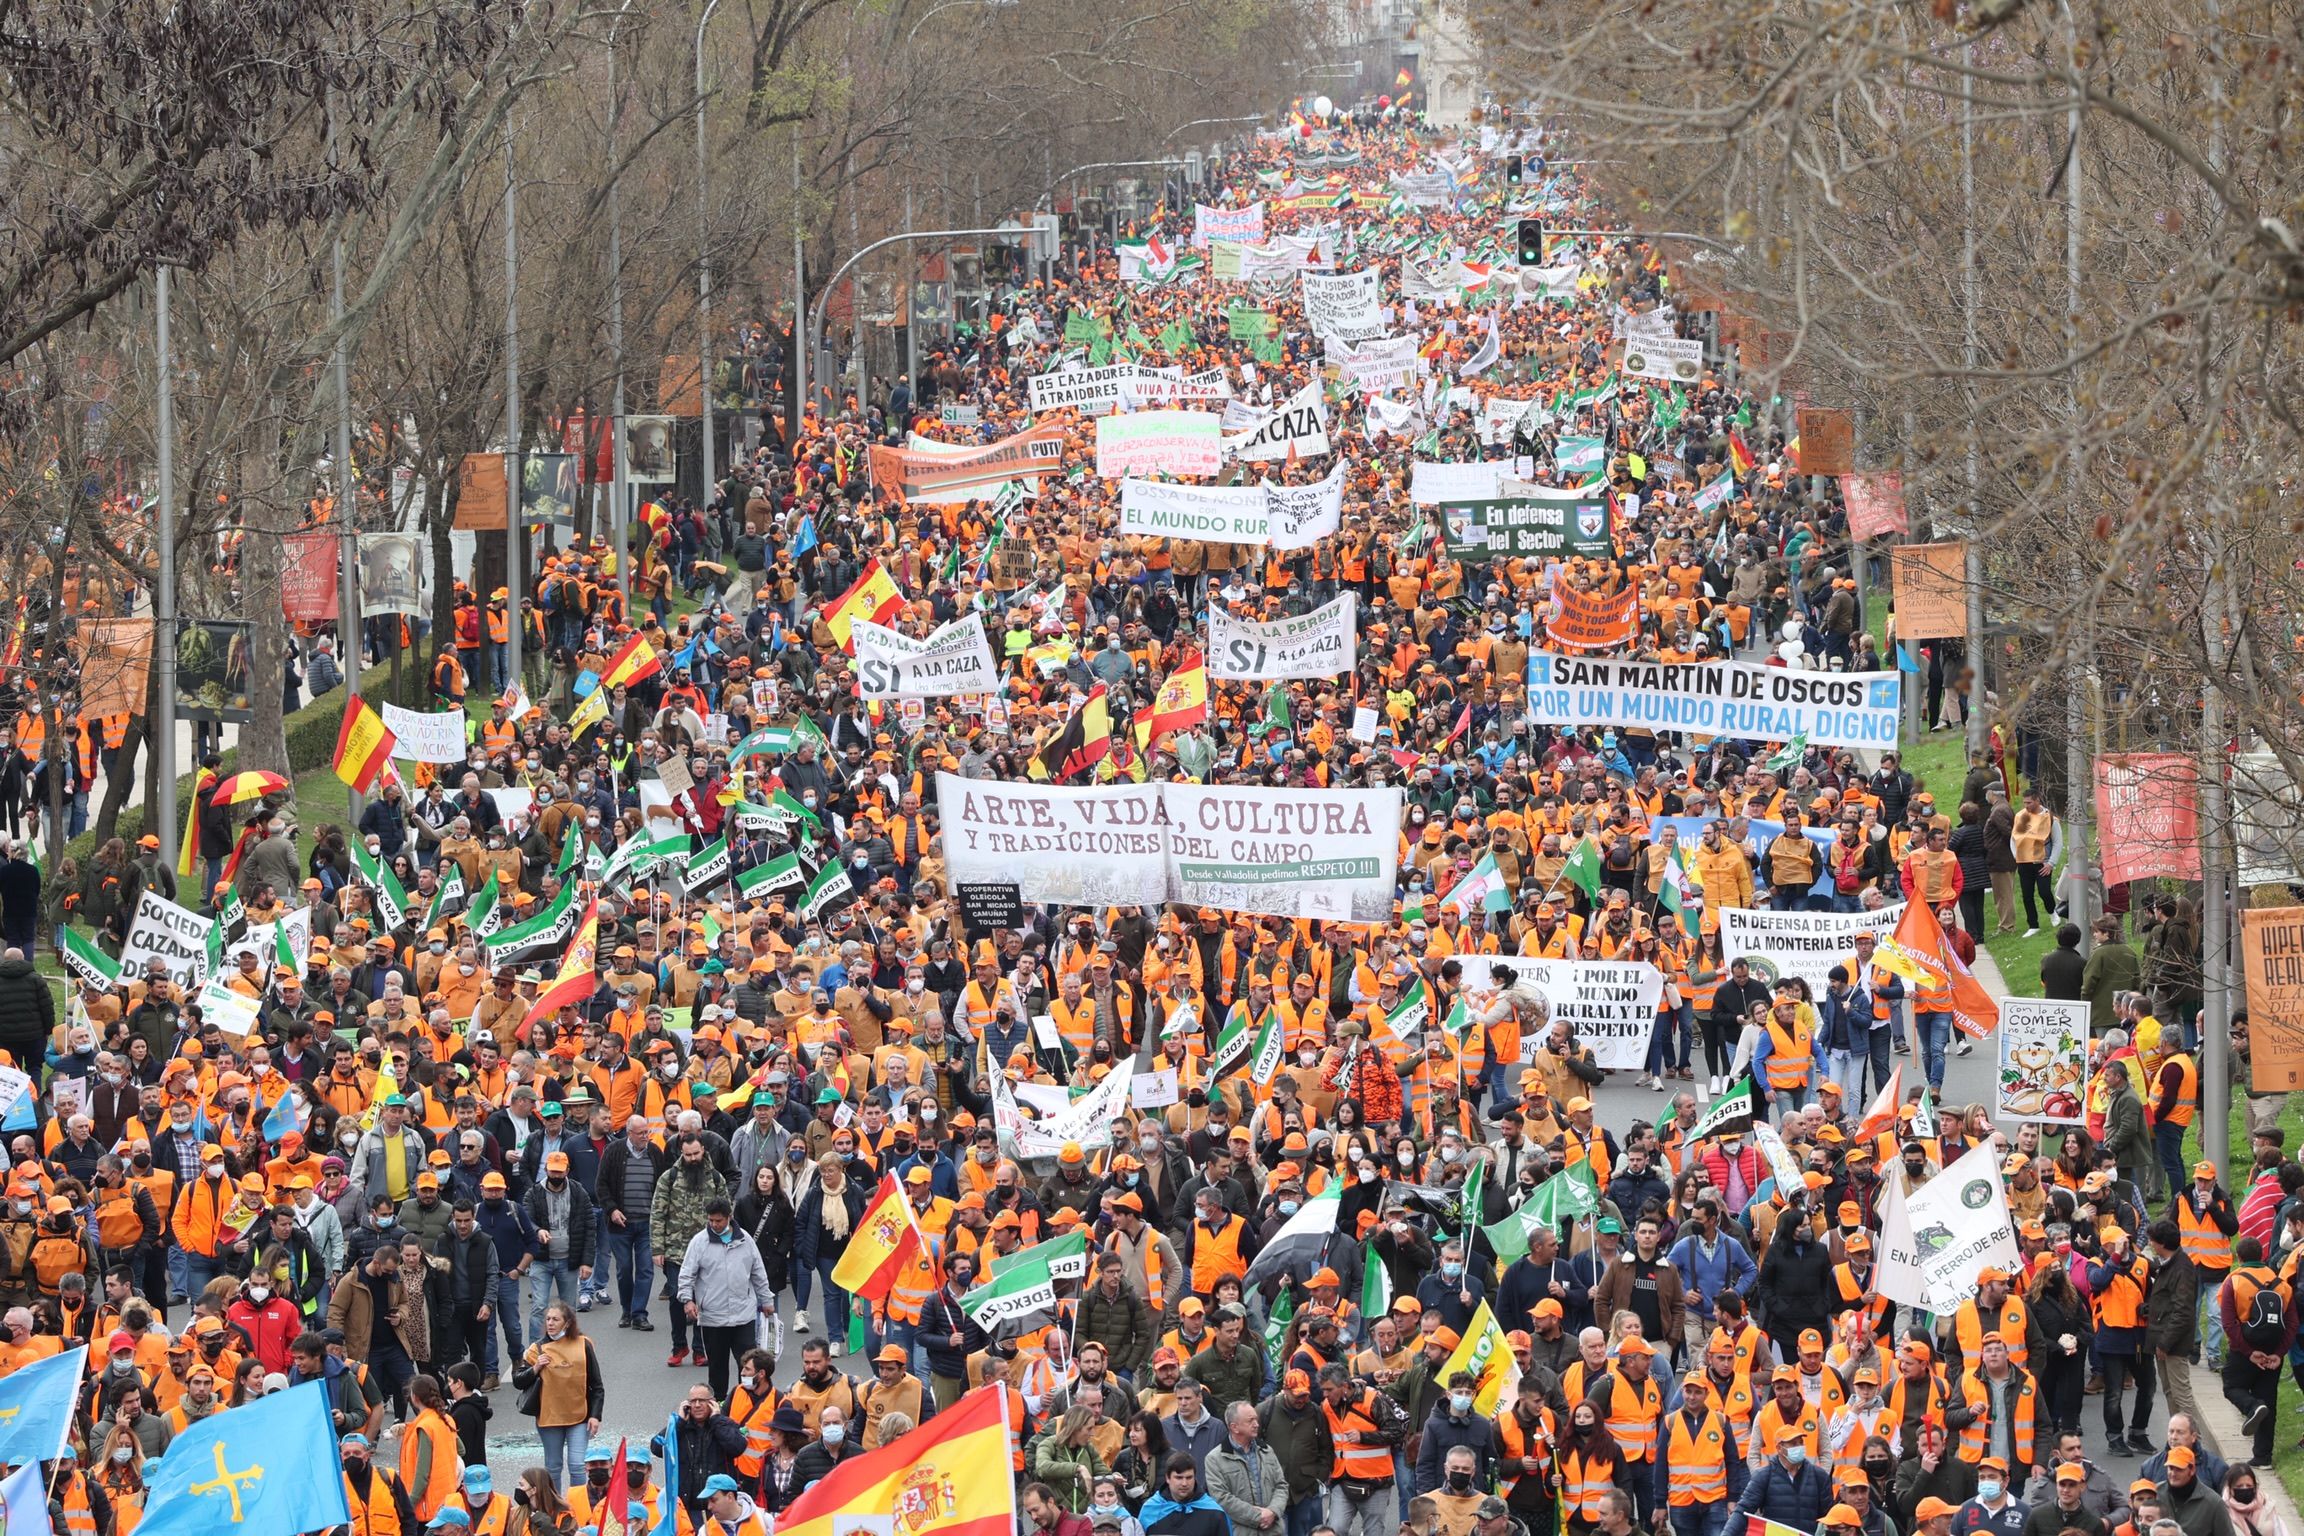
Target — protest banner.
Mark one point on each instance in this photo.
(1316, 644)
(1075, 847)
(2148, 816)
(1432, 485)
(1610, 1005)
(1215, 514)
(1298, 429)
(1169, 386)
(2272, 949)
(1935, 1243)
(1378, 365)
(1159, 443)
(1931, 589)
(233, 1013)
(262, 940)
(920, 477)
(1089, 389)
(1802, 944)
(1827, 439)
(1875, 507)
(2043, 1059)
(1650, 356)
(1347, 305)
(1534, 523)
(954, 660)
(441, 737)
(1832, 709)
(1243, 225)
(1302, 515)
(1321, 853)
(1593, 621)
(170, 934)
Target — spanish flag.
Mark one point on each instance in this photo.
(873, 597)
(635, 660)
(1739, 457)
(363, 745)
(1182, 700)
(884, 1240)
(576, 978)
(1074, 751)
(188, 856)
(949, 1477)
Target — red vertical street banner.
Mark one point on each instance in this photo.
(308, 577)
(1875, 504)
(2148, 816)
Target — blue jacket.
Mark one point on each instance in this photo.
(1728, 1268)
(1847, 1021)
(1800, 1500)
(509, 1228)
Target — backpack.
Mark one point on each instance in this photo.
(2264, 1327)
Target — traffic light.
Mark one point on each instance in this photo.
(1531, 242)
(1512, 171)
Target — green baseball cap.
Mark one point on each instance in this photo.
(1611, 1224)
(552, 1107)
(392, 1099)
(828, 1096)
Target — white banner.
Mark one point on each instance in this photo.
(261, 942)
(1316, 644)
(1933, 1244)
(1159, 443)
(1802, 944)
(1649, 356)
(1299, 428)
(1347, 306)
(1610, 1004)
(1302, 515)
(1245, 224)
(1070, 847)
(955, 659)
(1155, 386)
(1430, 485)
(1830, 709)
(1378, 365)
(168, 933)
(2043, 1060)
(231, 1012)
(1321, 853)
(1433, 284)
(1212, 514)
(1082, 388)
(435, 738)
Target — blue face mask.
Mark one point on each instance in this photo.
(1452, 1271)
(1287, 1207)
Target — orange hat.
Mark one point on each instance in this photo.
(1783, 1374)
(1447, 1338)
(1843, 1515)
(2182, 1456)
(1323, 1276)
(1933, 1508)
(1549, 1307)
(1810, 1339)
(1635, 1345)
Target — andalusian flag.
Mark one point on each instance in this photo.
(634, 661)
(883, 1242)
(576, 979)
(1276, 1330)
(874, 597)
(363, 745)
(391, 899)
(1583, 868)
(1672, 891)
(949, 1477)
(1483, 886)
(1788, 757)
(1567, 1195)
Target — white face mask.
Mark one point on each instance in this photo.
(554, 1328)
(259, 1294)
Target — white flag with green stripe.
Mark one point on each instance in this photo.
(1025, 1282)
(391, 898)
(764, 880)
(85, 960)
(485, 915)
(449, 891)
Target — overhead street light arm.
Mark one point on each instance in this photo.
(1101, 165)
(824, 296)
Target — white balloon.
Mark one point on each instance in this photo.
(1791, 629)
(1322, 106)
(1790, 651)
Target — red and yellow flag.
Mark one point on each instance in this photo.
(949, 1477)
(879, 1247)
(634, 660)
(1739, 457)
(363, 745)
(874, 597)
(1182, 701)
(576, 978)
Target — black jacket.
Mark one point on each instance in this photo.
(708, 1447)
(608, 1188)
(1795, 1277)
(27, 1015)
(580, 1234)
(2172, 1305)
(2060, 972)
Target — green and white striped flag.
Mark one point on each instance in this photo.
(84, 960)
(637, 858)
(485, 915)
(1024, 1282)
(1739, 1103)
(826, 886)
(1407, 1017)
(450, 889)
(234, 912)
(1238, 1045)
(706, 868)
(764, 880)
(571, 848)
(550, 926)
(1469, 1197)
(391, 899)
(1577, 456)
(1276, 1330)
(1375, 1288)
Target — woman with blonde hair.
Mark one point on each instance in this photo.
(826, 1214)
(120, 1474)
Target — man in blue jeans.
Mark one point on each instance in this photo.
(514, 1237)
(628, 1173)
(560, 1211)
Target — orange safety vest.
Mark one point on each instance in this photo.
(922, 1272)
(2121, 1304)
(447, 1465)
(752, 1415)
(1634, 1423)
(1512, 1444)
(2207, 1245)
(2027, 1402)
(2187, 1092)
(1697, 1459)
(1791, 1057)
(491, 1520)
(1368, 1462)
(2245, 1284)
(1770, 1426)
(2013, 1323)
(127, 1505)
(1584, 1486)
(1217, 1254)
(117, 1224)
(79, 1517)
(1861, 1296)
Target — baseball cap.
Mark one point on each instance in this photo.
(720, 1482)
(1843, 1515)
(1933, 1508)
(2182, 1456)
(2071, 1472)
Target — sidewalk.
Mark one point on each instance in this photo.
(2219, 1421)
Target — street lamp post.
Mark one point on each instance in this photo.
(703, 262)
(620, 481)
(824, 294)
(164, 591)
(514, 578)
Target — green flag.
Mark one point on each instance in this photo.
(550, 926)
(706, 868)
(283, 952)
(1738, 1103)
(1788, 757)
(81, 956)
(450, 889)
(1583, 868)
(826, 886)
(764, 880)
(1567, 1195)
(234, 912)
(1375, 1288)
(485, 915)
(391, 900)
(1276, 1330)
(572, 845)
(1175, 337)
(1468, 1198)
(1024, 1282)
